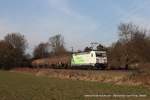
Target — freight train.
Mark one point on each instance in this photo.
(91, 59)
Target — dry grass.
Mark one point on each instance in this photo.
(142, 75)
(118, 77)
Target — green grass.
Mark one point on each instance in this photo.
(19, 86)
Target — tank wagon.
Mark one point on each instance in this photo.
(91, 59)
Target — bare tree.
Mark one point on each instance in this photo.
(17, 40)
(19, 43)
(133, 45)
(41, 51)
(57, 44)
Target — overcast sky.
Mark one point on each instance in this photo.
(79, 21)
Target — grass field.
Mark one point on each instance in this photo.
(21, 86)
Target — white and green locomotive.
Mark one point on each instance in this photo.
(95, 59)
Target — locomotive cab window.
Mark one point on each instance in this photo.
(100, 55)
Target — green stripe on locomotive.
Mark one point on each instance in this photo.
(78, 60)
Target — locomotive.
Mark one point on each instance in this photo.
(92, 59)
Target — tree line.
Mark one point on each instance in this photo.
(131, 49)
(14, 45)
